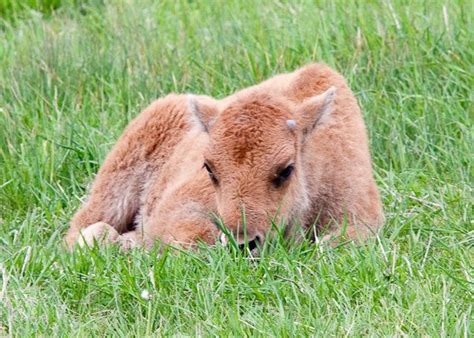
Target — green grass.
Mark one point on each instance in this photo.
(71, 77)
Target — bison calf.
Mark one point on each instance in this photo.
(291, 150)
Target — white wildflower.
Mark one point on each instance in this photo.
(145, 294)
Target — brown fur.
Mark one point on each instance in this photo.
(154, 176)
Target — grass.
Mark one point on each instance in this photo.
(72, 76)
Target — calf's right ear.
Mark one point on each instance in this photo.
(203, 111)
(315, 110)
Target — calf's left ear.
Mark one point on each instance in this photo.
(203, 111)
(315, 110)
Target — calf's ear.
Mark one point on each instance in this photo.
(315, 110)
(203, 111)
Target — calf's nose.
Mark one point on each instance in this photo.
(252, 242)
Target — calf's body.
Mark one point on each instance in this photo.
(292, 149)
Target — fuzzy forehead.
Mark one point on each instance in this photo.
(250, 129)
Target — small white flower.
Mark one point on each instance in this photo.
(223, 239)
(145, 295)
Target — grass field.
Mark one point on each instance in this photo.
(74, 73)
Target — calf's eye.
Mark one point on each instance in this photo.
(211, 174)
(283, 175)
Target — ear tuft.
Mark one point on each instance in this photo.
(327, 105)
(202, 111)
(192, 104)
(316, 110)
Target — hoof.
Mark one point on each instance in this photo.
(100, 232)
(129, 240)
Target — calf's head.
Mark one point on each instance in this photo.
(254, 159)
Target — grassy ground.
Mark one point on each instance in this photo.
(73, 74)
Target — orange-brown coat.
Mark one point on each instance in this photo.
(292, 149)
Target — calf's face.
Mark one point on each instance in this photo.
(254, 160)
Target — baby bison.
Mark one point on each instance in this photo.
(290, 151)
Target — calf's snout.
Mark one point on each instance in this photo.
(243, 240)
